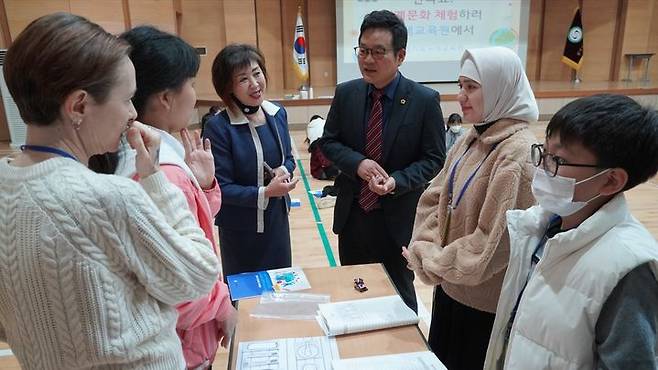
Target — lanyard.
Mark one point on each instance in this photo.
(451, 186)
(451, 180)
(48, 149)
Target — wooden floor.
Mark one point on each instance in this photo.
(309, 250)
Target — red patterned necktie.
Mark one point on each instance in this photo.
(374, 133)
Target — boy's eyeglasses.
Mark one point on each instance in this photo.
(377, 53)
(551, 162)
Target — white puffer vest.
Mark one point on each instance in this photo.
(555, 323)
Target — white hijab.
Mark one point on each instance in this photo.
(506, 92)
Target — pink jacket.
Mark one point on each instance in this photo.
(198, 320)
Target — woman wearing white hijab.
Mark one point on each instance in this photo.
(460, 242)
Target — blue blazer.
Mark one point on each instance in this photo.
(237, 167)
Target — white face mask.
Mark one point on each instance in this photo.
(555, 194)
(455, 128)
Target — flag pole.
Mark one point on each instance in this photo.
(573, 48)
(300, 53)
(576, 79)
(304, 86)
(574, 76)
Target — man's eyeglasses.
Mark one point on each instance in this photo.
(377, 53)
(551, 162)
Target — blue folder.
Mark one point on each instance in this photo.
(249, 284)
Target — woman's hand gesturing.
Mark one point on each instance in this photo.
(198, 157)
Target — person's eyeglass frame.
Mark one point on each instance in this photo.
(377, 53)
(538, 156)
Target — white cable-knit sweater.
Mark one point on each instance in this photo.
(90, 266)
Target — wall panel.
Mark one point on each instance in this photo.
(268, 14)
(636, 38)
(599, 20)
(639, 36)
(535, 29)
(321, 41)
(203, 26)
(158, 13)
(5, 38)
(107, 13)
(558, 15)
(20, 13)
(653, 43)
(240, 21)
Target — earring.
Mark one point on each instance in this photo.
(76, 123)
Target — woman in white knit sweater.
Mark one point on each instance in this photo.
(90, 265)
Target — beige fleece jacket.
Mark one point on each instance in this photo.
(470, 261)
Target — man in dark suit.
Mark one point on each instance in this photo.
(385, 133)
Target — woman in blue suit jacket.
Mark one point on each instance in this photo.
(253, 165)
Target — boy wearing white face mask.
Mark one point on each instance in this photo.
(580, 290)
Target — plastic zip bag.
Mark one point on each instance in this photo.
(289, 306)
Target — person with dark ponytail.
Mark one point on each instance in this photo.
(165, 69)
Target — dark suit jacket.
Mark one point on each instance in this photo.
(413, 150)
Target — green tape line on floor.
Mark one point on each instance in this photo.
(316, 215)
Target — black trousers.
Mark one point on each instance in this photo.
(459, 335)
(366, 239)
